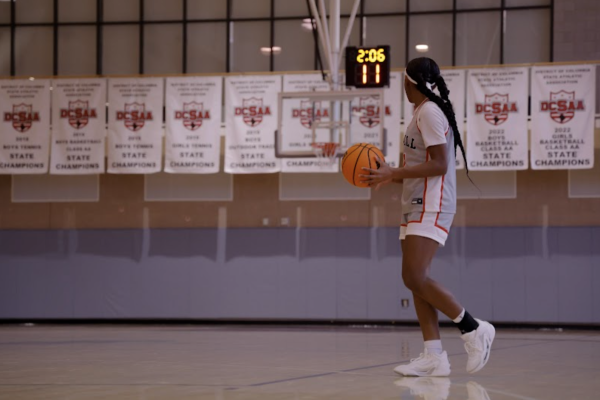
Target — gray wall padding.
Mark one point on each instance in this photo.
(502, 274)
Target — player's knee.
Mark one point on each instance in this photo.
(413, 281)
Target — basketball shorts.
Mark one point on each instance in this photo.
(432, 225)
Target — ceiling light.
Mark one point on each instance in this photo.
(268, 50)
(422, 48)
(308, 24)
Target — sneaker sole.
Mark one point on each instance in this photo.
(486, 358)
(438, 374)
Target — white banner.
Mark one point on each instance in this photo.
(563, 103)
(78, 126)
(251, 107)
(366, 130)
(193, 138)
(455, 81)
(135, 125)
(393, 100)
(497, 119)
(297, 117)
(25, 129)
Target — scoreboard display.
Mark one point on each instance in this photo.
(368, 67)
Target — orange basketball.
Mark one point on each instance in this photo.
(358, 156)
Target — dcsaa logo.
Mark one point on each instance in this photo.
(78, 113)
(134, 116)
(496, 108)
(310, 112)
(253, 111)
(22, 117)
(369, 113)
(562, 106)
(192, 115)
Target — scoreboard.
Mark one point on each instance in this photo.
(368, 67)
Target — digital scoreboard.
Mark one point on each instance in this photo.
(368, 67)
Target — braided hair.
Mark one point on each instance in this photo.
(424, 70)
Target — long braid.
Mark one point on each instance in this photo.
(432, 75)
(449, 113)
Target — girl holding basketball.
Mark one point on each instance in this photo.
(428, 205)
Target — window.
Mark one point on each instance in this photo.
(76, 10)
(76, 50)
(247, 38)
(297, 44)
(120, 49)
(207, 47)
(206, 9)
(163, 49)
(526, 36)
(436, 32)
(478, 38)
(33, 50)
(226, 36)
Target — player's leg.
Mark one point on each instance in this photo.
(426, 313)
(478, 335)
(433, 361)
(418, 252)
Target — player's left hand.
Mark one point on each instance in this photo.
(378, 177)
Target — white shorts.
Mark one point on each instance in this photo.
(432, 225)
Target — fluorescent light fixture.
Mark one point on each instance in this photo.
(308, 24)
(268, 50)
(422, 48)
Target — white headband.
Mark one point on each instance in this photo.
(429, 85)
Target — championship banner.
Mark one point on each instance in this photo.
(562, 117)
(455, 82)
(25, 129)
(78, 126)
(251, 104)
(193, 137)
(299, 115)
(135, 125)
(497, 119)
(365, 129)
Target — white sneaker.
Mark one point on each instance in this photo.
(478, 345)
(427, 364)
(426, 388)
(476, 391)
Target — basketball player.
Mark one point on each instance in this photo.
(429, 205)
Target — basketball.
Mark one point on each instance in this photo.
(356, 157)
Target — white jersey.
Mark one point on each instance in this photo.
(429, 127)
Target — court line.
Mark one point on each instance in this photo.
(364, 368)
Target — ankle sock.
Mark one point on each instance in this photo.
(465, 322)
(433, 346)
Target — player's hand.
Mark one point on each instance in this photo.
(378, 177)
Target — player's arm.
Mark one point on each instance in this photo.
(436, 165)
(433, 127)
